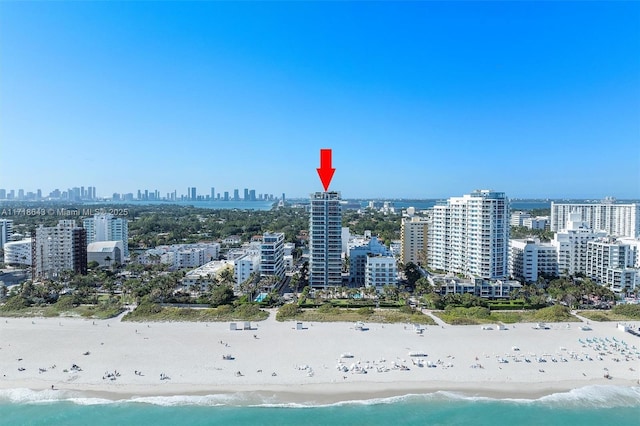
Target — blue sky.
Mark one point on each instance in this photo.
(416, 99)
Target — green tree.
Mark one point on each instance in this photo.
(221, 295)
(391, 292)
(423, 286)
(412, 272)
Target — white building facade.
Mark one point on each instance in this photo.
(244, 266)
(105, 253)
(358, 256)
(618, 220)
(611, 263)
(380, 271)
(414, 239)
(107, 227)
(272, 255)
(18, 252)
(529, 258)
(571, 244)
(538, 222)
(517, 218)
(59, 248)
(470, 235)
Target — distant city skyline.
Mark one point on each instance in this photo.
(80, 193)
(416, 99)
(90, 193)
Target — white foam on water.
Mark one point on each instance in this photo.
(600, 396)
(26, 396)
(604, 396)
(200, 400)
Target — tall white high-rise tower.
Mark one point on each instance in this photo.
(325, 240)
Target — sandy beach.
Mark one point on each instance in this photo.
(322, 363)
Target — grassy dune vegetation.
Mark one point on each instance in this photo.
(480, 315)
(328, 313)
(617, 313)
(147, 311)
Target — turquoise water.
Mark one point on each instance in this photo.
(595, 405)
(261, 297)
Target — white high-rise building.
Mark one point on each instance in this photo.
(6, 229)
(470, 235)
(414, 239)
(272, 255)
(325, 240)
(571, 244)
(59, 248)
(107, 227)
(611, 263)
(618, 220)
(529, 258)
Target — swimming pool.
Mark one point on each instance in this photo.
(261, 297)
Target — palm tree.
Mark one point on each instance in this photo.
(391, 292)
(226, 276)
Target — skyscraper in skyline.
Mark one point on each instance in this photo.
(325, 240)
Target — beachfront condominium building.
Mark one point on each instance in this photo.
(380, 271)
(470, 235)
(57, 249)
(107, 227)
(6, 229)
(617, 220)
(272, 255)
(571, 245)
(244, 266)
(530, 258)
(325, 240)
(610, 262)
(414, 239)
(358, 255)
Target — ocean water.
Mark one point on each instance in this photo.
(591, 405)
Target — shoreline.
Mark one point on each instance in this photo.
(322, 394)
(307, 396)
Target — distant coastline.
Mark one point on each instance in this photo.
(350, 203)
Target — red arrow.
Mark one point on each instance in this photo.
(325, 171)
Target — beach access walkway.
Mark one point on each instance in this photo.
(435, 318)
